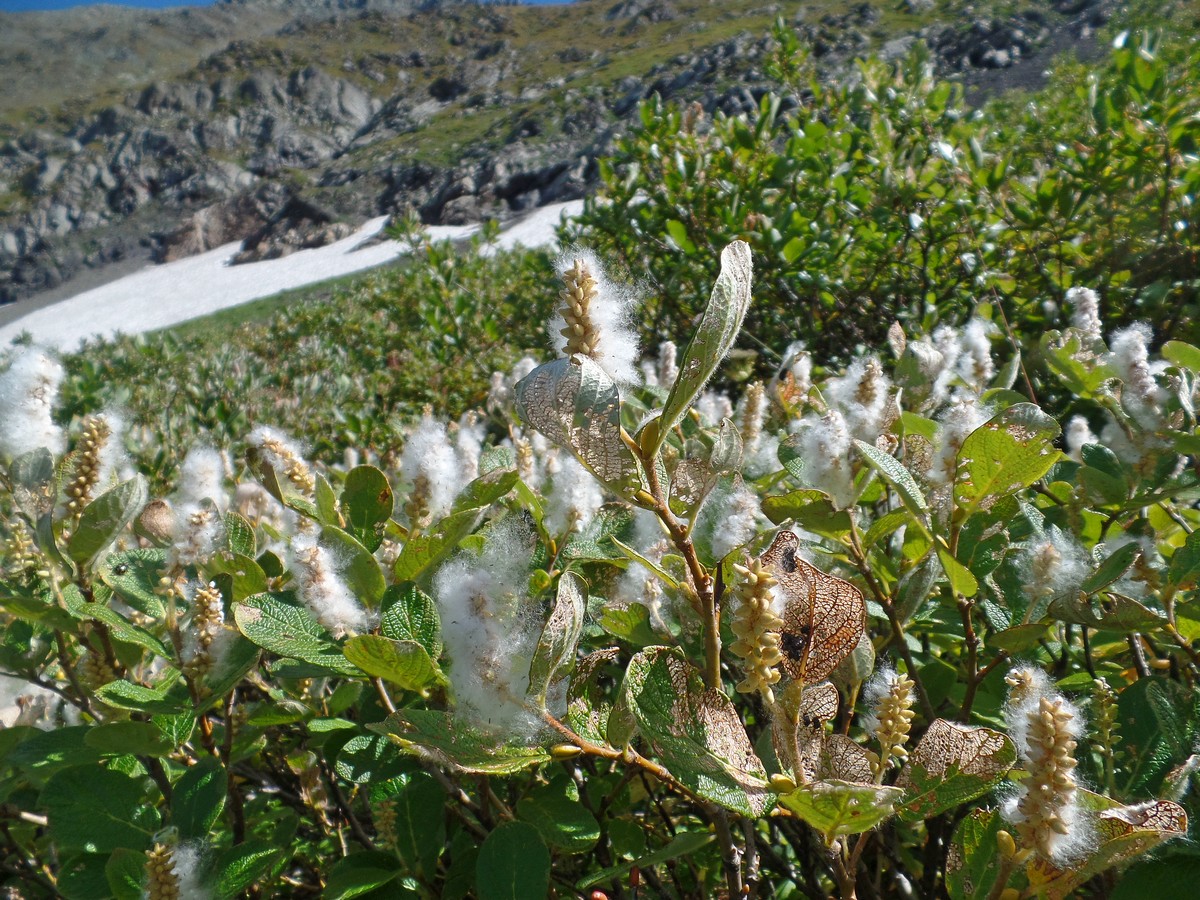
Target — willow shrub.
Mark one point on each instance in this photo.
(882, 197)
(886, 633)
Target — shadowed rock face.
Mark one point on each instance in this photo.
(239, 134)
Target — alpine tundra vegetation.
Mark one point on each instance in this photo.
(828, 528)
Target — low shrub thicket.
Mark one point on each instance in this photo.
(883, 198)
(825, 641)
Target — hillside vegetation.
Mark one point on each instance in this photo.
(823, 524)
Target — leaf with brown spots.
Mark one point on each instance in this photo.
(823, 616)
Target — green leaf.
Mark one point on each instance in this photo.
(360, 873)
(97, 810)
(134, 575)
(1185, 563)
(951, 765)
(404, 663)
(245, 573)
(276, 622)
(1114, 566)
(696, 731)
(358, 567)
(576, 405)
(136, 698)
(106, 517)
(678, 232)
(239, 534)
(119, 627)
(1020, 638)
(126, 873)
(973, 864)
(563, 822)
(367, 505)
(367, 758)
(713, 339)
(588, 705)
(1112, 611)
(420, 824)
(513, 864)
(409, 614)
(560, 636)
(242, 866)
(598, 539)
(1183, 355)
(1005, 455)
(630, 624)
(453, 743)
(962, 582)
(894, 472)
(810, 509)
(120, 738)
(198, 798)
(46, 751)
(83, 877)
(424, 551)
(837, 808)
(1171, 878)
(486, 490)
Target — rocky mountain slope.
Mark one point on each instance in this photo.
(285, 122)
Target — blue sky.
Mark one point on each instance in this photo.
(25, 5)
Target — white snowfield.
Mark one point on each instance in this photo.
(159, 296)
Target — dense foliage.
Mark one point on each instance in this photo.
(883, 198)
(912, 617)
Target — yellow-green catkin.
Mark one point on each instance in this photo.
(416, 507)
(93, 670)
(757, 628)
(208, 618)
(753, 412)
(22, 559)
(295, 468)
(385, 822)
(96, 433)
(577, 295)
(162, 883)
(1048, 807)
(1106, 735)
(894, 714)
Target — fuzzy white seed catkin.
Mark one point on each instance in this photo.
(487, 629)
(197, 534)
(28, 393)
(738, 520)
(1045, 810)
(595, 317)
(974, 364)
(322, 589)
(202, 477)
(1085, 311)
(712, 407)
(574, 497)
(826, 450)
(1130, 357)
(668, 366)
(283, 454)
(863, 397)
(1078, 435)
(433, 471)
(1054, 565)
(959, 420)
